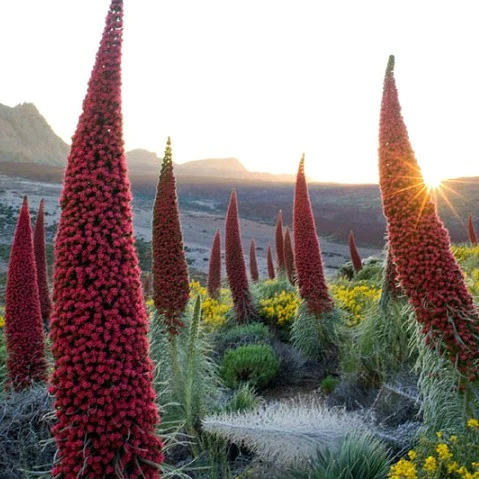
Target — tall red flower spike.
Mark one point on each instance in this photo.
(214, 271)
(26, 361)
(289, 257)
(270, 263)
(41, 264)
(170, 272)
(353, 251)
(280, 243)
(307, 253)
(472, 231)
(427, 270)
(253, 264)
(104, 399)
(235, 264)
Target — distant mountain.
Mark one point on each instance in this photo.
(26, 137)
(29, 146)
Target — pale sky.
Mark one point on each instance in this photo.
(261, 80)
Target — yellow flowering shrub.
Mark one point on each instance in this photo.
(213, 311)
(2, 322)
(454, 456)
(281, 308)
(354, 298)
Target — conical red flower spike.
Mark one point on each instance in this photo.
(472, 231)
(280, 243)
(214, 272)
(253, 264)
(307, 253)
(26, 362)
(271, 274)
(104, 399)
(170, 271)
(289, 257)
(235, 264)
(41, 264)
(353, 250)
(426, 268)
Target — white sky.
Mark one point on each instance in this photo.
(261, 80)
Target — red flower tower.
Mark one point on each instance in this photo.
(104, 399)
(280, 243)
(472, 231)
(353, 251)
(170, 272)
(289, 257)
(426, 268)
(41, 263)
(270, 263)
(235, 264)
(307, 253)
(26, 361)
(214, 272)
(253, 264)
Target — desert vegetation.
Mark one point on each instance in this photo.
(126, 373)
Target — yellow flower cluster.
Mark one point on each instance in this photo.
(2, 321)
(354, 298)
(444, 461)
(213, 311)
(281, 308)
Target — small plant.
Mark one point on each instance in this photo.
(243, 399)
(359, 456)
(239, 335)
(328, 384)
(254, 364)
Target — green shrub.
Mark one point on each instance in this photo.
(316, 337)
(243, 399)
(254, 364)
(328, 384)
(360, 456)
(239, 335)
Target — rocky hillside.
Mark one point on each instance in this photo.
(26, 137)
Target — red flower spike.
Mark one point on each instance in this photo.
(353, 251)
(102, 382)
(289, 257)
(26, 361)
(253, 264)
(41, 264)
(472, 231)
(270, 264)
(170, 272)
(307, 253)
(420, 245)
(280, 243)
(235, 264)
(214, 271)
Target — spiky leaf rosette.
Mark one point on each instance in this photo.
(235, 264)
(472, 231)
(214, 271)
(253, 264)
(271, 274)
(353, 251)
(426, 268)
(41, 264)
(307, 253)
(104, 400)
(170, 272)
(279, 242)
(289, 257)
(26, 361)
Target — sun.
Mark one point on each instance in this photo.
(432, 179)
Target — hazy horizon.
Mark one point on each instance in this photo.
(262, 82)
